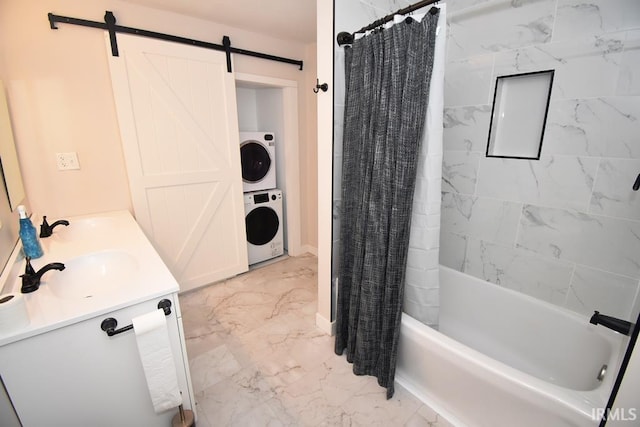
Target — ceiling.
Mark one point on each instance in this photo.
(283, 19)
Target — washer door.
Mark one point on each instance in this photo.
(256, 161)
(262, 225)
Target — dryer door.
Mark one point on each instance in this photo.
(256, 161)
(262, 225)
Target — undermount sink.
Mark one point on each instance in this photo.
(93, 274)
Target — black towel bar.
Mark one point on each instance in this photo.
(109, 324)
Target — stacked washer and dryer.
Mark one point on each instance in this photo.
(262, 200)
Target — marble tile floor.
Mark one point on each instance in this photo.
(257, 358)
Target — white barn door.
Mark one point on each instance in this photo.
(178, 120)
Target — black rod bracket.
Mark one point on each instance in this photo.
(111, 26)
(52, 21)
(226, 42)
(110, 20)
(344, 38)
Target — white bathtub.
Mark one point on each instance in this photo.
(502, 358)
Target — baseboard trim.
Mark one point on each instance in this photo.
(311, 249)
(325, 325)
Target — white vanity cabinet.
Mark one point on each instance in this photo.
(77, 375)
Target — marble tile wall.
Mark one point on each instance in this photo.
(565, 228)
(590, 153)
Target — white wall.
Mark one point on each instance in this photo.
(270, 117)
(60, 97)
(247, 109)
(309, 151)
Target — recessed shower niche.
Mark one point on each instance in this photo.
(519, 114)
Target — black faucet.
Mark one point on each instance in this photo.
(617, 325)
(31, 278)
(46, 229)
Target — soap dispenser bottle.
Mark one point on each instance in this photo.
(30, 243)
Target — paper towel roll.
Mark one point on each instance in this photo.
(154, 347)
(13, 313)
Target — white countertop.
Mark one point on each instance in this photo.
(111, 232)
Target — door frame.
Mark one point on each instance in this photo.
(290, 141)
(325, 55)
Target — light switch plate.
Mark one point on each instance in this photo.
(67, 161)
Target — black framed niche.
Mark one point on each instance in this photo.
(519, 115)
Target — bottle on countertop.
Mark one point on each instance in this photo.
(30, 243)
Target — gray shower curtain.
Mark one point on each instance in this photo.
(387, 88)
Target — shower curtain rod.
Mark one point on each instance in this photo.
(347, 38)
(109, 24)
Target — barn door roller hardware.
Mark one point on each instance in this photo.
(109, 24)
